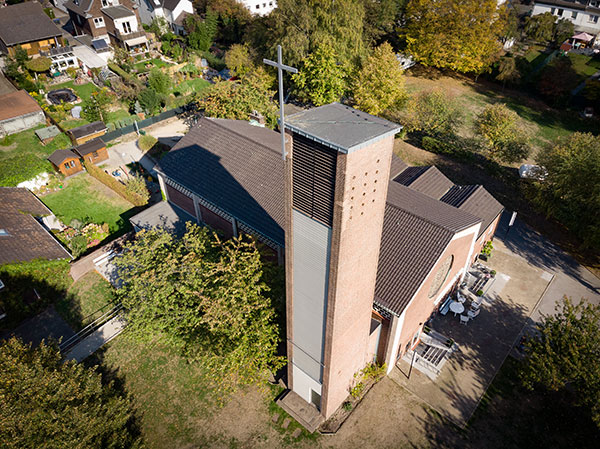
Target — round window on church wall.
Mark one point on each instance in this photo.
(441, 276)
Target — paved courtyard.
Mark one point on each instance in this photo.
(483, 343)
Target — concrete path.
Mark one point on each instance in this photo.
(44, 326)
(570, 278)
(96, 340)
(168, 132)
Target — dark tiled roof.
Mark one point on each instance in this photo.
(170, 4)
(90, 146)
(397, 166)
(477, 201)
(26, 22)
(162, 215)
(59, 156)
(236, 167)
(117, 12)
(86, 130)
(427, 180)
(26, 239)
(341, 127)
(416, 231)
(82, 8)
(430, 209)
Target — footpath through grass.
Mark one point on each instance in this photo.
(85, 199)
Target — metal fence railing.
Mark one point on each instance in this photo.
(142, 124)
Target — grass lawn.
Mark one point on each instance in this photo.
(119, 114)
(22, 155)
(87, 200)
(584, 65)
(84, 91)
(545, 124)
(73, 123)
(86, 300)
(174, 405)
(156, 62)
(194, 85)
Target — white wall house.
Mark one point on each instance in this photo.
(585, 14)
(173, 11)
(260, 7)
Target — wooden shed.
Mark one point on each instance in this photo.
(93, 151)
(84, 133)
(66, 162)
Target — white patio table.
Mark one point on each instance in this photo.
(457, 307)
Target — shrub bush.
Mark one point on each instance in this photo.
(146, 142)
(450, 146)
(115, 185)
(78, 245)
(137, 185)
(23, 167)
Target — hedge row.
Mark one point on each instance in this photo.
(123, 74)
(114, 184)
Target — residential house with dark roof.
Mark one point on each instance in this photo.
(371, 251)
(22, 236)
(18, 112)
(27, 25)
(114, 21)
(173, 11)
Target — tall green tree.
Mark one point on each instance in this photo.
(563, 30)
(571, 189)
(508, 71)
(49, 403)
(381, 19)
(95, 107)
(204, 297)
(321, 80)
(564, 353)
(202, 32)
(239, 59)
(149, 100)
(301, 26)
(432, 113)
(238, 99)
(457, 35)
(159, 81)
(379, 85)
(540, 27)
(505, 139)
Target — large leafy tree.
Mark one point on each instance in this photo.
(571, 189)
(379, 84)
(301, 26)
(540, 27)
(48, 403)
(205, 298)
(457, 35)
(508, 71)
(238, 99)
(432, 113)
(565, 353)
(95, 107)
(504, 137)
(202, 32)
(159, 81)
(321, 80)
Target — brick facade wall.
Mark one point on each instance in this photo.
(486, 236)
(421, 307)
(361, 190)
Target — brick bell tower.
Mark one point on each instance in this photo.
(337, 172)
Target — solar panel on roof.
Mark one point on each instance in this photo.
(99, 44)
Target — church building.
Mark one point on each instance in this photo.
(371, 247)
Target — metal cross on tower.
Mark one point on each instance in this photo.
(280, 67)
